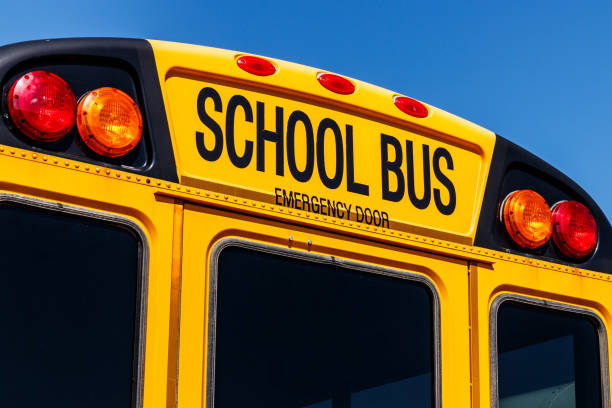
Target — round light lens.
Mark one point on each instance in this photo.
(109, 122)
(42, 106)
(411, 106)
(575, 229)
(336, 83)
(256, 65)
(527, 218)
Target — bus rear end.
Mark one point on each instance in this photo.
(189, 226)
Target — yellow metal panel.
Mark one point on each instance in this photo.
(367, 114)
(89, 187)
(487, 282)
(175, 299)
(205, 226)
(243, 203)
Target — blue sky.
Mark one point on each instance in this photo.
(537, 73)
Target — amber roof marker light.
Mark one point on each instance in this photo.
(42, 106)
(109, 122)
(527, 218)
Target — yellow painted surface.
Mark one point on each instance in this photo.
(209, 217)
(487, 282)
(185, 71)
(216, 200)
(48, 178)
(204, 227)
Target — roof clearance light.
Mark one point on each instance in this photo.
(336, 83)
(527, 218)
(256, 65)
(411, 106)
(575, 229)
(109, 122)
(42, 106)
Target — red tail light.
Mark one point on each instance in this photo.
(575, 229)
(42, 106)
(256, 65)
(336, 83)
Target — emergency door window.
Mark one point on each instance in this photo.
(547, 358)
(295, 333)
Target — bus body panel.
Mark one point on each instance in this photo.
(205, 228)
(216, 200)
(528, 280)
(437, 181)
(79, 185)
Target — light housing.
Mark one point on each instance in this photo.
(527, 218)
(42, 106)
(256, 65)
(336, 83)
(411, 106)
(574, 229)
(109, 122)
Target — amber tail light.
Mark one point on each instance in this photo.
(527, 218)
(109, 122)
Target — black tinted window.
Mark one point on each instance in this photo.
(547, 358)
(294, 333)
(68, 308)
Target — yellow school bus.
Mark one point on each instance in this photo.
(186, 226)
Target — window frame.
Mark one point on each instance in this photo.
(321, 259)
(552, 305)
(142, 278)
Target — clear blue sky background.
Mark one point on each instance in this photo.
(538, 73)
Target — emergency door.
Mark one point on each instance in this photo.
(276, 314)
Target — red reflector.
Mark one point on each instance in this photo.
(42, 106)
(256, 65)
(336, 83)
(575, 229)
(411, 106)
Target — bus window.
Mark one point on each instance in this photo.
(69, 309)
(291, 332)
(547, 358)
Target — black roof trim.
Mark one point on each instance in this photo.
(514, 168)
(134, 54)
